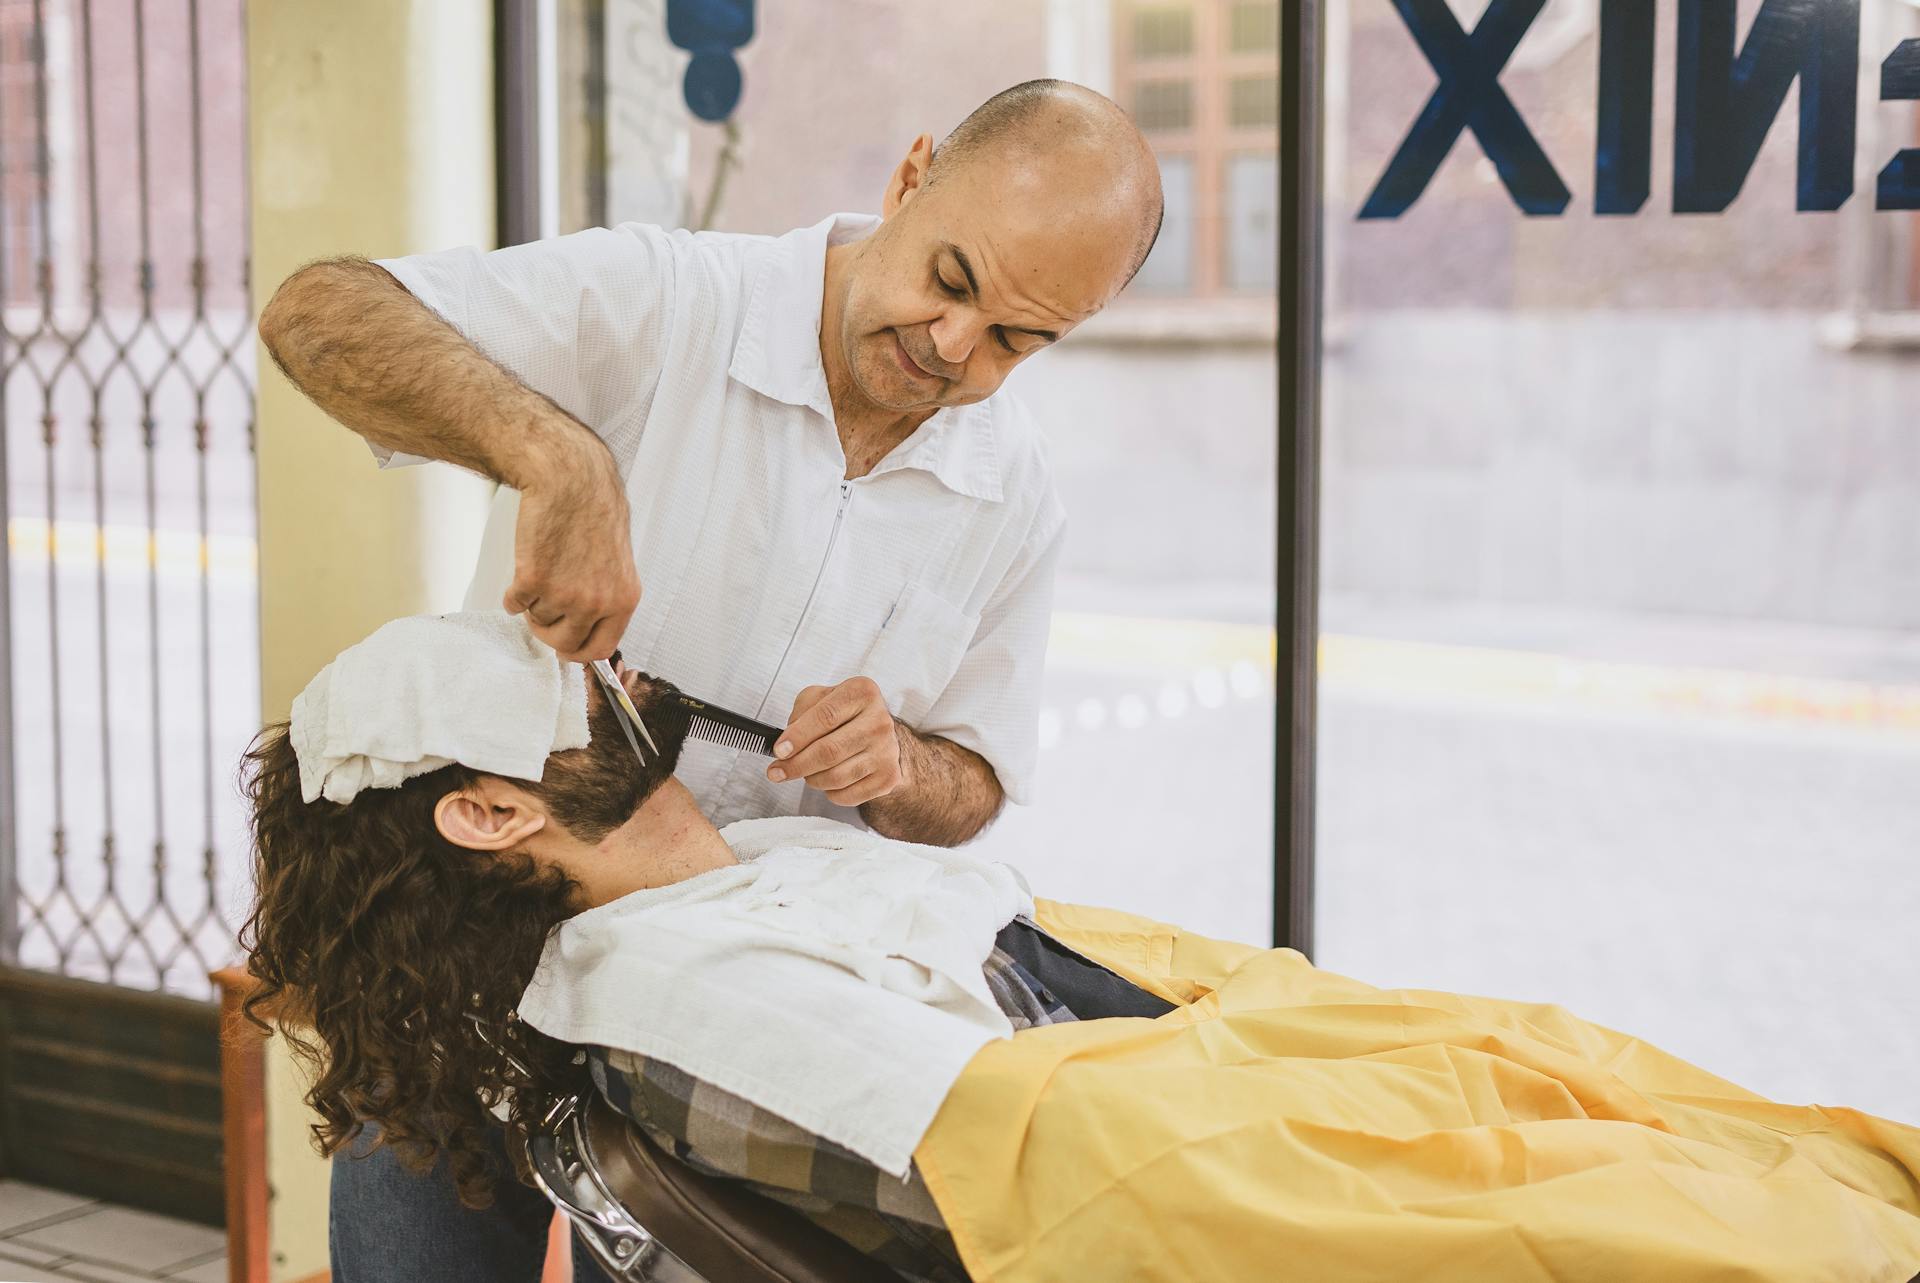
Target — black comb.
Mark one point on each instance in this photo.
(731, 730)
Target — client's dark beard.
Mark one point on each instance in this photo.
(594, 790)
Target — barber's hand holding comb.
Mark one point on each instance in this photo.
(842, 741)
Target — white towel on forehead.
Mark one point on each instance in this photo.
(420, 693)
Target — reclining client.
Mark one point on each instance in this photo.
(455, 846)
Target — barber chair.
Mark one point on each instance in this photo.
(649, 1218)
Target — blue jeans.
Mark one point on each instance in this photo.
(388, 1224)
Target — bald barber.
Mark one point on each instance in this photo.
(798, 447)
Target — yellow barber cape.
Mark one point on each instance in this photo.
(1287, 1124)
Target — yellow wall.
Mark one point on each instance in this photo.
(372, 134)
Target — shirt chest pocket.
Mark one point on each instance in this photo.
(918, 651)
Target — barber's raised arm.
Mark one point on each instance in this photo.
(530, 365)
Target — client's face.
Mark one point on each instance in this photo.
(596, 789)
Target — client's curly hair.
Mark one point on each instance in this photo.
(377, 944)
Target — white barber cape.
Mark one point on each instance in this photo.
(696, 357)
(833, 977)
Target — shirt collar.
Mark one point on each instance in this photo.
(778, 355)
(957, 446)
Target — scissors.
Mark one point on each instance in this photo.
(629, 716)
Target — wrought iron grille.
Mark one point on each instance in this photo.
(126, 387)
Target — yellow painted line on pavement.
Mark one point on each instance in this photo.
(1369, 665)
(1088, 640)
(1388, 666)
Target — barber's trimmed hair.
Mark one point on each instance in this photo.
(377, 944)
(1015, 116)
(1001, 118)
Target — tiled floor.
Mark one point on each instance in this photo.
(50, 1237)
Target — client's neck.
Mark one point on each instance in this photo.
(668, 840)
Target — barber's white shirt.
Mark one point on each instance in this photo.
(696, 358)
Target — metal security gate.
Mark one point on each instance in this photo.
(128, 655)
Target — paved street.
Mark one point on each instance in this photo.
(1746, 897)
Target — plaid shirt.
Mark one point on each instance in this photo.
(889, 1219)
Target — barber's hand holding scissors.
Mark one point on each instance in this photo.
(842, 741)
(573, 571)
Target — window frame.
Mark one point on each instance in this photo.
(1210, 139)
(1297, 590)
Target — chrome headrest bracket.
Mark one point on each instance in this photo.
(557, 1153)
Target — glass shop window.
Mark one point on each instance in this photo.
(1620, 692)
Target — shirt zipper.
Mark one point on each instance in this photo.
(839, 515)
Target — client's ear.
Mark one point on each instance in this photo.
(489, 815)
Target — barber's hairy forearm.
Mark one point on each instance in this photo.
(946, 796)
(378, 360)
